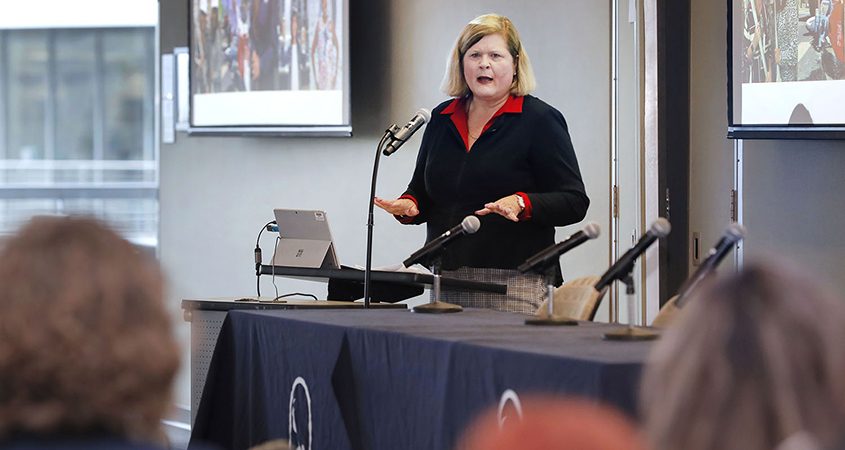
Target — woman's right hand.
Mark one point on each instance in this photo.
(398, 207)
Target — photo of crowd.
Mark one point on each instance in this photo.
(265, 45)
(792, 40)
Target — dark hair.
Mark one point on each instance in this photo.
(86, 344)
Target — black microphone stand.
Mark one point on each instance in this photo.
(549, 272)
(631, 332)
(435, 306)
(368, 268)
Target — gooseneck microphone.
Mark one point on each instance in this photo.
(469, 225)
(392, 139)
(549, 255)
(733, 234)
(623, 266)
(400, 135)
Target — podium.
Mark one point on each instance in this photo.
(387, 286)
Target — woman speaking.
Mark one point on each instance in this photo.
(495, 151)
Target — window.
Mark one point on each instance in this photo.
(76, 127)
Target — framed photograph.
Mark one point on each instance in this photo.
(269, 66)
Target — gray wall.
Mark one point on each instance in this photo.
(792, 189)
(217, 192)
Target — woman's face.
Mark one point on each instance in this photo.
(489, 68)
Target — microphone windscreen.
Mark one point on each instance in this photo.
(735, 231)
(592, 230)
(660, 228)
(470, 224)
(426, 114)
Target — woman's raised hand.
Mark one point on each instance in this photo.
(398, 207)
(507, 207)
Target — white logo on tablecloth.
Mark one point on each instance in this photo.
(298, 438)
(509, 397)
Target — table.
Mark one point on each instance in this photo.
(386, 379)
(206, 316)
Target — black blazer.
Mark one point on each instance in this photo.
(528, 152)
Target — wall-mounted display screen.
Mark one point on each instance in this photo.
(270, 66)
(786, 69)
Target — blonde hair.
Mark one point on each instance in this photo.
(86, 343)
(454, 83)
(754, 359)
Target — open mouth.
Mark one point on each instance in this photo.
(484, 79)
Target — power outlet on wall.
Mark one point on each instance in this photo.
(696, 245)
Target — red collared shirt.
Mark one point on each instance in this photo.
(457, 109)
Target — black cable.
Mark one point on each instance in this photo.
(273, 266)
(258, 258)
(295, 293)
(273, 270)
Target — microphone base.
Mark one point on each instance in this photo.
(437, 307)
(551, 321)
(632, 333)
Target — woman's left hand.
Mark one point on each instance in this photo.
(507, 207)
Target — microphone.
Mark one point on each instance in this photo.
(546, 257)
(401, 135)
(469, 225)
(625, 263)
(733, 234)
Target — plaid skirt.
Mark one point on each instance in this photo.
(525, 291)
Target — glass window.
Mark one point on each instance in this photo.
(76, 127)
(75, 96)
(27, 98)
(127, 82)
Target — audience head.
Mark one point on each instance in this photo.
(86, 344)
(554, 424)
(454, 83)
(755, 360)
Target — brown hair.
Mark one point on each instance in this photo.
(85, 341)
(754, 359)
(454, 83)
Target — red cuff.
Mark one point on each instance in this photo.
(526, 212)
(407, 219)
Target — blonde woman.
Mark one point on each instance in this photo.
(495, 151)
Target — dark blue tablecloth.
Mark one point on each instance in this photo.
(388, 379)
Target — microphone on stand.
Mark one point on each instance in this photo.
(429, 255)
(546, 262)
(400, 135)
(621, 270)
(733, 234)
(545, 257)
(623, 266)
(469, 225)
(392, 139)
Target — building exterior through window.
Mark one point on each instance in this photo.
(77, 114)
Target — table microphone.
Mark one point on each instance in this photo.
(660, 228)
(469, 225)
(545, 257)
(733, 234)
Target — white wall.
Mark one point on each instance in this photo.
(217, 192)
